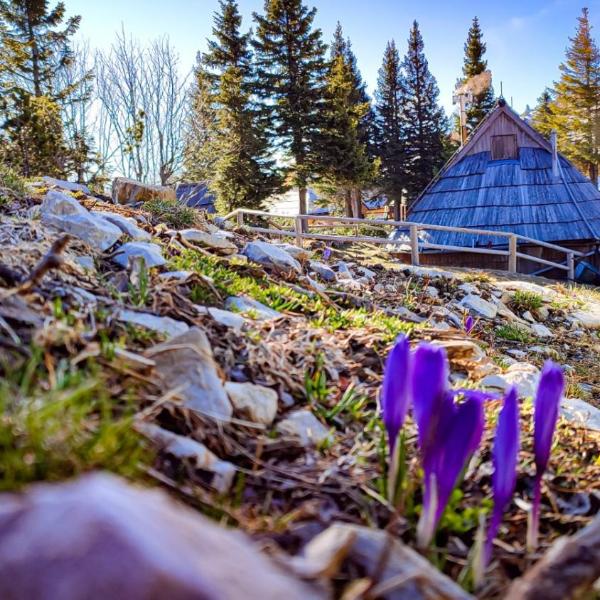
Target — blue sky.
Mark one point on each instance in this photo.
(526, 39)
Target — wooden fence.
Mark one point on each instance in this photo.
(300, 226)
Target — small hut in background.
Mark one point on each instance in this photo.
(508, 177)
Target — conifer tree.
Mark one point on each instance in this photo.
(542, 116)
(475, 64)
(346, 152)
(243, 173)
(290, 70)
(424, 122)
(345, 163)
(34, 42)
(576, 110)
(389, 130)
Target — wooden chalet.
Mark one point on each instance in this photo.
(507, 177)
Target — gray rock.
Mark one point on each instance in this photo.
(479, 306)
(588, 317)
(66, 185)
(214, 241)
(179, 275)
(295, 251)
(325, 272)
(430, 272)
(519, 354)
(541, 330)
(86, 262)
(523, 375)
(186, 363)
(126, 225)
(367, 273)
(580, 412)
(542, 313)
(344, 271)
(66, 214)
(256, 402)
(468, 288)
(163, 325)
(548, 294)
(245, 304)
(99, 537)
(224, 317)
(352, 285)
(305, 427)
(432, 292)
(270, 255)
(187, 448)
(528, 317)
(151, 253)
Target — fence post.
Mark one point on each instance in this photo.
(240, 219)
(512, 257)
(571, 265)
(298, 229)
(414, 245)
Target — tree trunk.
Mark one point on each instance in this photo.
(397, 214)
(357, 204)
(302, 192)
(593, 173)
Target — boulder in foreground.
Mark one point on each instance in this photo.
(129, 191)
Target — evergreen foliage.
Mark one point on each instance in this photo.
(345, 163)
(424, 122)
(542, 114)
(242, 172)
(35, 47)
(390, 142)
(290, 74)
(475, 64)
(575, 112)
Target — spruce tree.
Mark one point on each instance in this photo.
(389, 130)
(424, 122)
(290, 71)
(34, 42)
(576, 115)
(345, 163)
(475, 64)
(542, 116)
(243, 174)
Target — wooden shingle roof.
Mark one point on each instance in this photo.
(519, 195)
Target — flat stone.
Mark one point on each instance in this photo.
(186, 363)
(541, 331)
(352, 285)
(295, 251)
(270, 255)
(429, 272)
(468, 288)
(367, 273)
(547, 294)
(66, 185)
(305, 427)
(588, 317)
(581, 413)
(98, 537)
(519, 354)
(479, 306)
(163, 325)
(179, 275)
(344, 271)
(151, 253)
(129, 191)
(127, 225)
(66, 214)
(407, 315)
(86, 262)
(432, 292)
(542, 313)
(528, 316)
(506, 313)
(214, 241)
(256, 402)
(187, 448)
(325, 272)
(523, 375)
(226, 318)
(245, 304)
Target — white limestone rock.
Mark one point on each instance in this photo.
(270, 255)
(479, 306)
(256, 402)
(151, 253)
(245, 304)
(163, 325)
(127, 225)
(305, 427)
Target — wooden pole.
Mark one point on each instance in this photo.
(512, 257)
(414, 245)
(571, 265)
(298, 227)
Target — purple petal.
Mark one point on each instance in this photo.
(505, 456)
(429, 382)
(469, 324)
(547, 400)
(395, 396)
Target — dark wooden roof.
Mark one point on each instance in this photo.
(516, 195)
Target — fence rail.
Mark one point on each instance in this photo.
(299, 229)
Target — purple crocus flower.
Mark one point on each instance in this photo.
(395, 397)
(469, 323)
(547, 401)
(448, 433)
(505, 455)
(326, 253)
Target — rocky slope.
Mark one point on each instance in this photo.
(241, 374)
